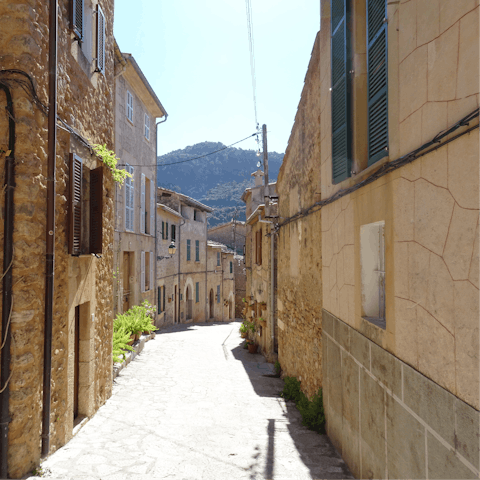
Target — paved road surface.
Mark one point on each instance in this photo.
(195, 405)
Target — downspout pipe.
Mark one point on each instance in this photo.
(7, 285)
(50, 224)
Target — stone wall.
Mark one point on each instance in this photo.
(229, 235)
(240, 284)
(82, 99)
(387, 419)
(299, 273)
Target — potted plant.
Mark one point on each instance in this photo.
(252, 347)
(243, 329)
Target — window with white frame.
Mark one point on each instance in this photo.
(129, 110)
(129, 199)
(147, 127)
(372, 260)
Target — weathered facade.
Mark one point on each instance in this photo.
(233, 235)
(220, 282)
(260, 265)
(136, 109)
(379, 232)
(194, 283)
(81, 374)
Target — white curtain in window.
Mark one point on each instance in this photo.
(152, 206)
(142, 271)
(151, 270)
(142, 204)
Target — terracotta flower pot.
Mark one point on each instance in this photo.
(132, 339)
(243, 334)
(137, 336)
(147, 332)
(252, 348)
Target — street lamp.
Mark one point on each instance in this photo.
(172, 248)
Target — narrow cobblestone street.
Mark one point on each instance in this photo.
(196, 405)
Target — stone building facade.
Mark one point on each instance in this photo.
(220, 282)
(233, 235)
(387, 236)
(195, 283)
(260, 266)
(136, 109)
(81, 373)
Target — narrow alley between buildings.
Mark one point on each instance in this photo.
(196, 405)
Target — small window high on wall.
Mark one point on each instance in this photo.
(372, 261)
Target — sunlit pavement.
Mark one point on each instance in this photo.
(196, 405)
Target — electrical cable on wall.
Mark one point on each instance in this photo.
(389, 167)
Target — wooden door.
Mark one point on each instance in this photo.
(126, 281)
(211, 303)
(76, 368)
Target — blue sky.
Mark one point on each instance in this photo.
(195, 55)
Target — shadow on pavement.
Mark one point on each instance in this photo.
(316, 451)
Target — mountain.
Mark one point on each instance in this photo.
(217, 180)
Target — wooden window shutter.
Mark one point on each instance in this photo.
(163, 298)
(96, 210)
(218, 293)
(142, 203)
(197, 250)
(188, 251)
(163, 230)
(76, 18)
(340, 55)
(75, 207)
(377, 73)
(174, 233)
(100, 40)
(197, 292)
(152, 208)
(129, 196)
(159, 305)
(142, 271)
(166, 231)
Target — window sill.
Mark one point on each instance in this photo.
(377, 321)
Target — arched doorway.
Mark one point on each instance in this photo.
(189, 300)
(211, 303)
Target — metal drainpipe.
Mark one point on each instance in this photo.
(155, 291)
(7, 285)
(50, 224)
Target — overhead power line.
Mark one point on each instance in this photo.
(191, 159)
(251, 44)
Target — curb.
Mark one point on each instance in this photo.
(137, 348)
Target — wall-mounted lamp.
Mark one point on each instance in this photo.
(171, 250)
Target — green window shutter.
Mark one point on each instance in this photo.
(163, 298)
(166, 231)
(340, 54)
(218, 293)
(218, 259)
(197, 292)
(377, 73)
(173, 232)
(197, 251)
(163, 230)
(231, 267)
(188, 250)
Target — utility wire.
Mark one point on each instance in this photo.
(251, 45)
(425, 149)
(191, 159)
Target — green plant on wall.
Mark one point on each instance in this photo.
(313, 415)
(109, 158)
(134, 321)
